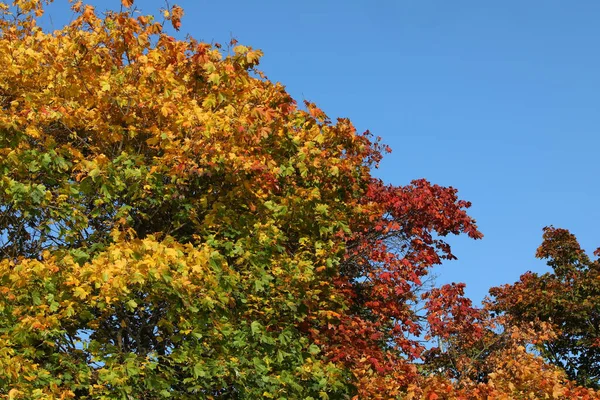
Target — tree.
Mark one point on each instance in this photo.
(568, 299)
(172, 224)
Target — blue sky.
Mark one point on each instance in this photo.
(498, 99)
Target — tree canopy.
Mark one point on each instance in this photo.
(174, 225)
(568, 298)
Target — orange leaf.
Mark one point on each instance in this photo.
(176, 14)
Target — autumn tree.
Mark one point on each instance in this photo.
(174, 225)
(568, 298)
(169, 219)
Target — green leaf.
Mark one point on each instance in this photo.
(132, 305)
(256, 327)
(199, 371)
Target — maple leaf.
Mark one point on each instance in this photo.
(176, 14)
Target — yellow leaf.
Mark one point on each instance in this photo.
(80, 292)
(240, 49)
(105, 86)
(32, 131)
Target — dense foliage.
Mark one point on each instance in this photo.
(173, 225)
(568, 298)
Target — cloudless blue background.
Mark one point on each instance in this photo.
(498, 99)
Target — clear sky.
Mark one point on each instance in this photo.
(498, 99)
